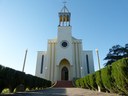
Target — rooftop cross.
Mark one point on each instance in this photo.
(64, 2)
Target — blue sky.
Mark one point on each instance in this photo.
(28, 24)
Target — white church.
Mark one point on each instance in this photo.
(65, 58)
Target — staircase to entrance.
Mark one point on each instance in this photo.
(64, 84)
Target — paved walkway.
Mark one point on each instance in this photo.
(63, 92)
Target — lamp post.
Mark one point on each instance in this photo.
(24, 60)
(97, 53)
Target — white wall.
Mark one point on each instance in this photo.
(55, 53)
(38, 63)
(90, 60)
(64, 33)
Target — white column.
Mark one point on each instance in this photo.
(80, 56)
(48, 61)
(52, 60)
(74, 54)
(79, 64)
(77, 60)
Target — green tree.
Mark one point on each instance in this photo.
(115, 53)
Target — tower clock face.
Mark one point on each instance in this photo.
(64, 43)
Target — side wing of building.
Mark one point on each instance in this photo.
(40, 64)
(88, 63)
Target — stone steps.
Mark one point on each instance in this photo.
(64, 84)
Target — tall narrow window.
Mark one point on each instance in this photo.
(42, 61)
(87, 64)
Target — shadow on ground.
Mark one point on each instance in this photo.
(45, 92)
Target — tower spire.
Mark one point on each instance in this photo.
(64, 16)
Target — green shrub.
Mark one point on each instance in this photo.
(92, 83)
(20, 78)
(29, 82)
(120, 75)
(99, 81)
(5, 91)
(111, 78)
(81, 82)
(86, 82)
(107, 79)
(10, 78)
(2, 86)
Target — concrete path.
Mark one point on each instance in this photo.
(64, 92)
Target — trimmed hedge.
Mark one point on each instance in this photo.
(107, 79)
(10, 78)
(120, 75)
(99, 81)
(112, 78)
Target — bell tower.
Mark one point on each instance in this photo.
(64, 38)
(64, 16)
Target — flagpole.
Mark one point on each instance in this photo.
(24, 60)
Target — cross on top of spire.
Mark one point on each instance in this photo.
(65, 2)
(64, 9)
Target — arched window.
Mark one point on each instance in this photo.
(42, 62)
(87, 61)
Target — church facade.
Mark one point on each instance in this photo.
(65, 58)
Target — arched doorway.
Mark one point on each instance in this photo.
(64, 73)
(64, 70)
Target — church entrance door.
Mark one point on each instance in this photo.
(64, 73)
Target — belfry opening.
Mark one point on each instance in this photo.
(64, 17)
